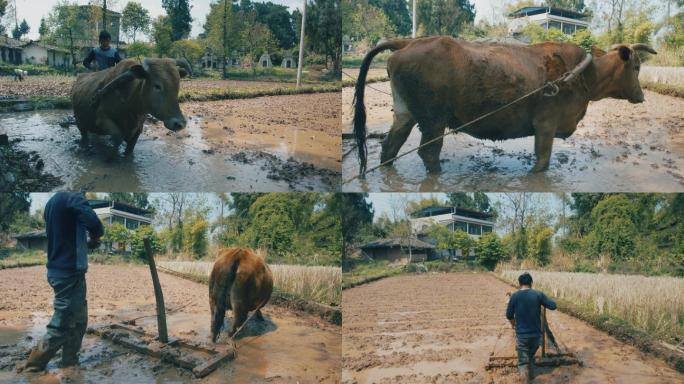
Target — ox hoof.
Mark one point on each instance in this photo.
(539, 169)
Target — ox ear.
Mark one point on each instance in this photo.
(138, 71)
(182, 72)
(184, 68)
(624, 51)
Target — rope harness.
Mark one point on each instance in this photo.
(550, 89)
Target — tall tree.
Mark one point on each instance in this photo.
(11, 205)
(324, 30)
(180, 20)
(445, 17)
(161, 35)
(43, 29)
(135, 18)
(278, 19)
(3, 11)
(355, 212)
(68, 25)
(398, 13)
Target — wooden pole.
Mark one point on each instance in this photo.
(158, 295)
(413, 21)
(543, 340)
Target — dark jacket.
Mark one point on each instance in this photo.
(525, 307)
(103, 58)
(67, 219)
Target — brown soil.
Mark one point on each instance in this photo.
(618, 146)
(61, 85)
(287, 347)
(442, 328)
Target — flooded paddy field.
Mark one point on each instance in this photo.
(441, 328)
(288, 347)
(618, 146)
(272, 143)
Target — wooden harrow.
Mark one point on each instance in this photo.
(542, 359)
(200, 359)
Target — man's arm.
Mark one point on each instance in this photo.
(88, 218)
(117, 57)
(89, 59)
(510, 312)
(548, 303)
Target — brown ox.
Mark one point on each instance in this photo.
(440, 82)
(241, 281)
(116, 101)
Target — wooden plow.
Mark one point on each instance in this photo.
(198, 358)
(543, 358)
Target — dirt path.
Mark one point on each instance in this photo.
(276, 143)
(617, 147)
(288, 347)
(441, 328)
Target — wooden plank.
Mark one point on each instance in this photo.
(211, 365)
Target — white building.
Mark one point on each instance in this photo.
(131, 217)
(472, 222)
(568, 21)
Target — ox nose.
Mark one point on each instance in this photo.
(176, 123)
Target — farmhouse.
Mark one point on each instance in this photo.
(566, 20)
(397, 250)
(474, 223)
(34, 240)
(129, 216)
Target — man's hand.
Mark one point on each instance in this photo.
(94, 243)
(512, 323)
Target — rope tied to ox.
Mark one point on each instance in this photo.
(550, 89)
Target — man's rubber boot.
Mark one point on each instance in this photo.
(37, 360)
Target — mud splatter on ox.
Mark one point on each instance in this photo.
(241, 281)
(440, 82)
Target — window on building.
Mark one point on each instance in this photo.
(568, 29)
(554, 24)
(118, 219)
(580, 27)
(486, 229)
(474, 229)
(132, 224)
(460, 226)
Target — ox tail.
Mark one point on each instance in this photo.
(219, 291)
(359, 106)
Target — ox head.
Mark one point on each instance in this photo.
(626, 76)
(160, 88)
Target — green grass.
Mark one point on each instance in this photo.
(367, 272)
(664, 89)
(17, 258)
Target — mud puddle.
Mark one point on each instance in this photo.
(187, 160)
(287, 347)
(617, 147)
(395, 333)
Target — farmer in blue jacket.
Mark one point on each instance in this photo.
(524, 313)
(68, 220)
(105, 56)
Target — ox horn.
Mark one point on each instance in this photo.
(635, 47)
(184, 64)
(643, 47)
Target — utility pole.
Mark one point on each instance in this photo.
(225, 38)
(413, 26)
(301, 46)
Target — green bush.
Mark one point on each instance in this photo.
(489, 250)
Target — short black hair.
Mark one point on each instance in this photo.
(104, 35)
(525, 279)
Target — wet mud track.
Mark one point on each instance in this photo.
(441, 328)
(290, 143)
(618, 146)
(287, 347)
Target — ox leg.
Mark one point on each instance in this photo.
(259, 316)
(85, 140)
(401, 128)
(430, 153)
(543, 143)
(130, 144)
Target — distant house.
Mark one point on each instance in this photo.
(34, 240)
(396, 250)
(288, 60)
(38, 53)
(565, 20)
(265, 61)
(11, 50)
(474, 223)
(129, 216)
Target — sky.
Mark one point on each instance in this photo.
(34, 10)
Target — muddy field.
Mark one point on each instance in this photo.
(617, 147)
(274, 143)
(441, 328)
(288, 347)
(61, 85)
